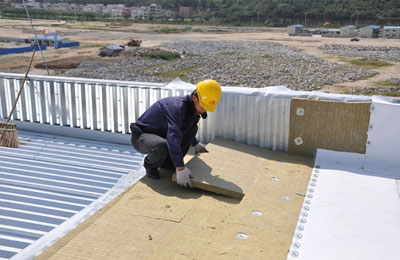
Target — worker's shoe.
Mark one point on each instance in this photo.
(153, 173)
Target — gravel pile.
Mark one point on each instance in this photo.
(395, 81)
(234, 63)
(387, 53)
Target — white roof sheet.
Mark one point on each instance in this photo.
(50, 184)
(352, 206)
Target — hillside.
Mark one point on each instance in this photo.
(280, 12)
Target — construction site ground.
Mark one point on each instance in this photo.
(92, 36)
(157, 219)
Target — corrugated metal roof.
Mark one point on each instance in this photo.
(391, 27)
(48, 37)
(114, 47)
(373, 26)
(48, 180)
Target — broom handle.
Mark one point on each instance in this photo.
(21, 87)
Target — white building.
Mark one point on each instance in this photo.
(32, 4)
(141, 12)
(391, 32)
(61, 7)
(169, 13)
(155, 10)
(114, 10)
(94, 8)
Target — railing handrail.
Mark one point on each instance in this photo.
(83, 80)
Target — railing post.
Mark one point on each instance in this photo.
(3, 97)
(114, 102)
(53, 106)
(72, 105)
(63, 105)
(24, 100)
(125, 111)
(43, 105)
(136, 101)
(104, 119)
(12, 99)
(83, 106)
(93, 100)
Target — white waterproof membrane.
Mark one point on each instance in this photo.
(51, 184)
(352, 206)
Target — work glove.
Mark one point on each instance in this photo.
(183, 177)
(200, 148)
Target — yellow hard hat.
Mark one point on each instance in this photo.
(209, 92)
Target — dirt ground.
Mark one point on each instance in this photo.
(93, 35)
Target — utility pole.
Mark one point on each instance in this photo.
(258, 18)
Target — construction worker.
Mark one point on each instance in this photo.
(166, 130)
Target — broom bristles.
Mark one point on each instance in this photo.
(8, 135)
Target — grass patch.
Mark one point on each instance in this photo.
(161, 55)
(10, 57)
(171, 30)
(195, 55)
(366, 62)
(379, 93)
(385, 83)
(91, 45)
(150, 67)
(228, 53)
(267, 57)
(181, 73)
(86, 25)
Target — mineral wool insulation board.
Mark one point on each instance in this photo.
(50, 184)
(326, 124)
(352, 206)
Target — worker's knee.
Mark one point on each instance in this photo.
(151, 144)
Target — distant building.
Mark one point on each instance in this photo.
(169, 13)
(330, 33)
(185, 12)
(111, 50)
(116, 10)
(391, 32)
(295, 29)
(32, 4)
(94, 8)
(141, 12)
(60, 7)
(75, 7)
(155, 10)
(4, 4)
(370, 31)
(348, 31)
(50, 39)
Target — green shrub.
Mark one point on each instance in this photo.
(161, 55)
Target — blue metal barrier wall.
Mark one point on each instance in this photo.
(68, 44)
(20, 50)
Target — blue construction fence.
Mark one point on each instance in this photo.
(66, 45)
(20, 50)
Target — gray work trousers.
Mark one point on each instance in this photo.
(157, 150)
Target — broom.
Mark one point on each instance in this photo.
(8, 131)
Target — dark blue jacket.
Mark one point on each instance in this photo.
(172, 118)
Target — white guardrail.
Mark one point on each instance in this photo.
(258, 117)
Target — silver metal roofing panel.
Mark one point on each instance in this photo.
(50, 183)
